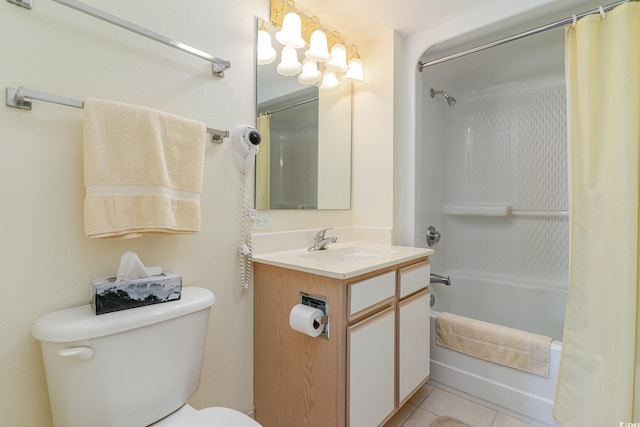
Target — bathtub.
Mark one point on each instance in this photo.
(517, 393)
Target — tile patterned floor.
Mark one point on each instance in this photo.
(429, 402)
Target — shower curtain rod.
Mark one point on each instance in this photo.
(565, 21)
(286, 107)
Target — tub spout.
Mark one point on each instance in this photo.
(436, 278)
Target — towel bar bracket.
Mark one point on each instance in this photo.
(21, 98)
(217, 135)
(12, 99)
(218, 70)
(22, 3)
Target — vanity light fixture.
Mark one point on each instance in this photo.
(289, 64)
(329, 80)
(318, 48)
(338, 61)
(266, 52)
(354, 73)
(310, 73)
(298, 30)
(291, 33)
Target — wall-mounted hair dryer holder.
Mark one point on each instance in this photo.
(245, 140)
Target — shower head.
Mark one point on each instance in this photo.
(450, 99)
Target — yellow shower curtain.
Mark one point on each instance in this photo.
(598, 382)
(262, 163)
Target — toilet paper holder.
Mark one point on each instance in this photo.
(320, 302)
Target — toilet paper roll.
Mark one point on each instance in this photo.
(303, 319)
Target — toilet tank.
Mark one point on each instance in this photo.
(124, 369)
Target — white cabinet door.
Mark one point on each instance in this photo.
(371, 373)
(413, 337)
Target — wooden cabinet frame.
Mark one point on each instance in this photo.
(300, 381)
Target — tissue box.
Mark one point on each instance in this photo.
(107, 295)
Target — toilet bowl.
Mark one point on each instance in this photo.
(216, 416)
(130, 368)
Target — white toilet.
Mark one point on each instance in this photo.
(130, 368)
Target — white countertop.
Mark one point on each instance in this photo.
(343, 260)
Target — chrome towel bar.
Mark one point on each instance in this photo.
(218, 65)
(22, 98)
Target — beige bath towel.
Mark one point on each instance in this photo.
(142, 171)
(494, 343)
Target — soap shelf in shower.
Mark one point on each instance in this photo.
(476, 210)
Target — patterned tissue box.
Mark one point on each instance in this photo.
(108, 296)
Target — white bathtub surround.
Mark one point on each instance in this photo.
(494, 343)
(599, 382)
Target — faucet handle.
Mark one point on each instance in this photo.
(320, 234)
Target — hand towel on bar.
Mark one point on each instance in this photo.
(494, 343)
(142, 170)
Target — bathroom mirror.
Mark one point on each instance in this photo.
(304, 160)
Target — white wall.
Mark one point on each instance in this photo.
(373, 135)
(47, 261)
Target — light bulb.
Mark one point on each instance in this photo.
(354, 73)
(310, 73)
(329, 80)
(289, 64)
(318, 50)
(266, 52)
(291, 33)
(338, 61)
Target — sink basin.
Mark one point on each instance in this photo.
(348, 254)
(343, 260)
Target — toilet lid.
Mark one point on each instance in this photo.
(220, 417)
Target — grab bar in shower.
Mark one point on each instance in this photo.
(498, 210)
(21, 98)
(218, 65)
(522, 212)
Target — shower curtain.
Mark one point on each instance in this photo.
(598, 382)
(262, 163)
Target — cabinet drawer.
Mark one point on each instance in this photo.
(371, 291)
(414, 278)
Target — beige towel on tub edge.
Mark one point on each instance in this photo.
(494, 343)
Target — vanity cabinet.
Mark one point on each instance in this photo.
(376, 356)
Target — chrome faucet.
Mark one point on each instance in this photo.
(320, 242)
(436, 278)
